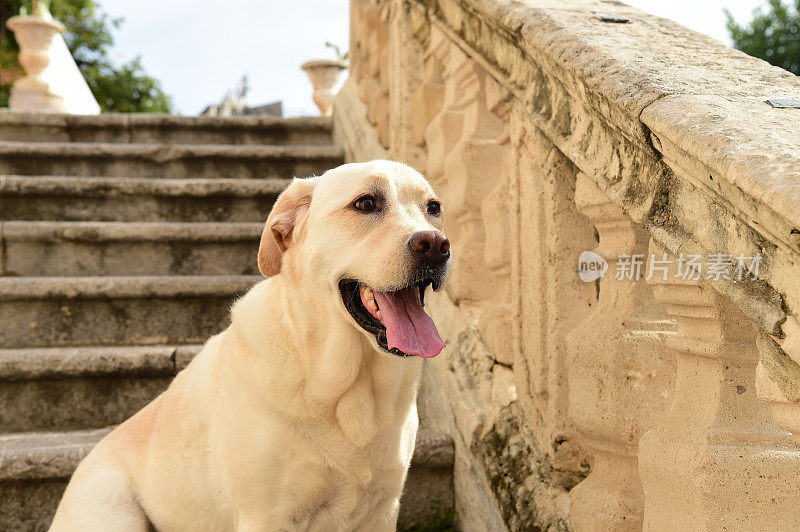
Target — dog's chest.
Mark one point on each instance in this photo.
(341, 497)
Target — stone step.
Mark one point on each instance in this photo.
(148, 310)
(137, 199)
(428, 501)
(83, 387)
(35, 468)
(155, 128)
(129, 248)
(177, 161)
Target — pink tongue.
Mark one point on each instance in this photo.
(408, 327)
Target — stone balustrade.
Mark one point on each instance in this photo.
(663, 395)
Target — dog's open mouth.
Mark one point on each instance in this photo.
(396, 318)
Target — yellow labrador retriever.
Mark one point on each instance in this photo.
(300, 415)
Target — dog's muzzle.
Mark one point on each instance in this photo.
(396, 317)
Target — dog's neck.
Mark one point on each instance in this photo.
(325, 366)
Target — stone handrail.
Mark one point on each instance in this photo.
(550, 129)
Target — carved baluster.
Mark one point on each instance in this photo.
(778, 376)
(444, 118)
(620, 373)
(372, 57)
(495, 322)
(428, 99)
(717, 461)
(475, 164)
(549, 297)
(409, 30)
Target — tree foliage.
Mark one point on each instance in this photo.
(773, 36)
(125, 88)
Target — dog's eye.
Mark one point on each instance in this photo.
(365, 204)
(434, 208)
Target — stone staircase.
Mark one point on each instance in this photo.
(123, 241)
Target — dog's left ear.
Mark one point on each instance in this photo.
(277, 235)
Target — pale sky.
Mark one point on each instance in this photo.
(199, 49)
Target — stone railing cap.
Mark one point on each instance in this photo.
(745, 141)
(626, 68)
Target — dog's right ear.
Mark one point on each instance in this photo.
(277, 235)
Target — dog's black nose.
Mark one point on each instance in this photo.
(432, 246)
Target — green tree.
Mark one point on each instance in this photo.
(773, 36)
(126, 88)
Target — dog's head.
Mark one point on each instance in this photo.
(370, 236)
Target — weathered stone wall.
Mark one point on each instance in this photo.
(622, 403)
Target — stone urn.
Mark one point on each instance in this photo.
(35, 36)
(324, 75)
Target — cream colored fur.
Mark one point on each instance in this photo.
(291, 418)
